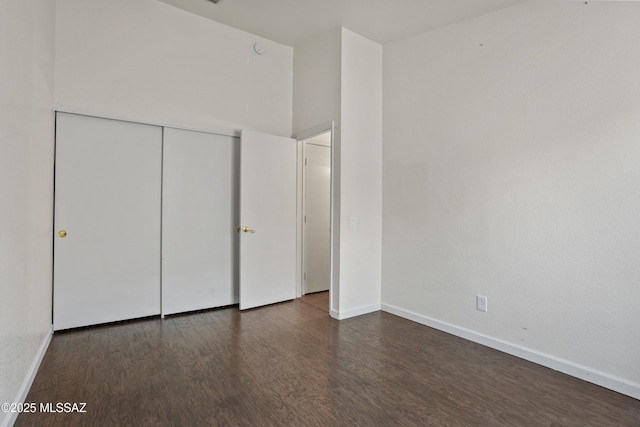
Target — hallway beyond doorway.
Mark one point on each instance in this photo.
(317, 299)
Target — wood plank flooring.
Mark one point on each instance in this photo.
(290, 364)
(317, 299)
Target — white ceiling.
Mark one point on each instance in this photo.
(292, 21)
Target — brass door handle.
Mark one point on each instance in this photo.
(62, 234)
(246, 229)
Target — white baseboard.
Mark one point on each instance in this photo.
(585, 373)
(355, 312)
(11, 418)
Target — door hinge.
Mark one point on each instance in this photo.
(305, 219)
(305, 162)
(305, 275)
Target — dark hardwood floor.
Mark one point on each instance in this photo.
(290, 364)
(317, 299)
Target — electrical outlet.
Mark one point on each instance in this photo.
(481, 303)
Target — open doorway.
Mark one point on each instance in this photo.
(315, 227)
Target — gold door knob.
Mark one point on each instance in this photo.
(62, 233)
(246, 229)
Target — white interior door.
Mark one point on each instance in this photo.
(107, 201)
(198, 220)
(268, 214)
(317, 225)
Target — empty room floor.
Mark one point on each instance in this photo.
(290, 364)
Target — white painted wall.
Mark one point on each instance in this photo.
(511, 168)
(146, 60)
(26, 189)
(317, 91)
(360, 176)
(338, 76)
(316, 81)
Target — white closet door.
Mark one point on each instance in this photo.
(198, 220)
(107, 201)
(268, 219)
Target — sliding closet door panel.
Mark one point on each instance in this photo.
(107, 221)
(198, 221)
